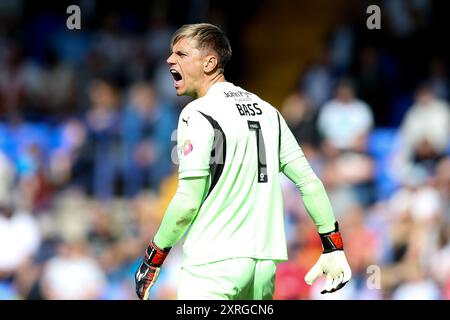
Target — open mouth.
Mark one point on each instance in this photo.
(176, 75)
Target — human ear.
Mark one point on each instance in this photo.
(210, 63)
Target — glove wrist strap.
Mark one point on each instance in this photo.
(155, 256)
(332, 241)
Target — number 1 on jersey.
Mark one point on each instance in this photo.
(261, 149)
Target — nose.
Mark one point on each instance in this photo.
(170, 59)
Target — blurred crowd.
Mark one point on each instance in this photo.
(373, 119)
(87, 170)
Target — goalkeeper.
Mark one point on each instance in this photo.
(231, 147)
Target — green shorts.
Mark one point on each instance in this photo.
(230, 279)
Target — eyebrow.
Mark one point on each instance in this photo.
(178, 52)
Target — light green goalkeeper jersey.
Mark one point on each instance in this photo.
(238, 143)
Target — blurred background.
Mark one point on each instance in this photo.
(87, 116)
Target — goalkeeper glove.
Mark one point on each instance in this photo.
(332, 263)
(147, 273)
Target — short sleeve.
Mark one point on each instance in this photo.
(195, 138)
(289, 148)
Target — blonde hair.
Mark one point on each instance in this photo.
(208, 36)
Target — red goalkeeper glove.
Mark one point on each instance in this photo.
(147, 273)
(332, 263)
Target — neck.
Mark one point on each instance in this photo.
(219, 77)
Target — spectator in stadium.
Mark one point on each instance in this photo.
(34, 184)
(344, 124)
(73, 274)
(147, 124)
(12, 83)
(371, 81)
(425, 130)
(438, 79)
(417, 286)
(301, 118)
(51, 91)
(345, 121)
(318, 80)
(19, 232)
(72, 134)
(101, 150)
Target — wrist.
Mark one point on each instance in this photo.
(332, 241)
(154, 255)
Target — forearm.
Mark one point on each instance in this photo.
(181, 211)
(313, 193)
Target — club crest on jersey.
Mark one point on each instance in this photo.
(187, 147)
